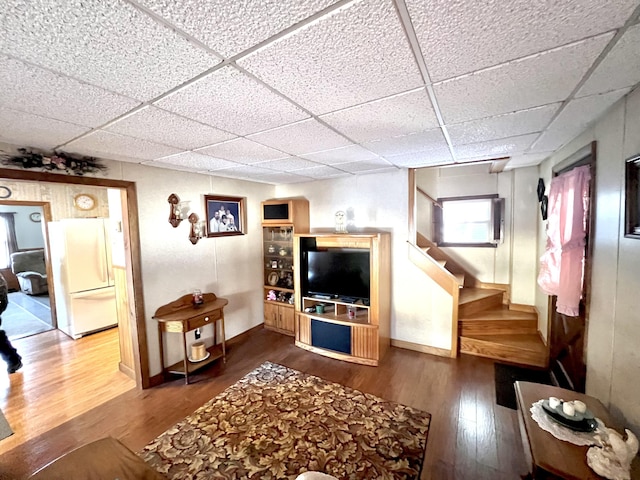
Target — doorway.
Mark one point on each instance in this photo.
(23, 256)
(23, 185)
(567, 334)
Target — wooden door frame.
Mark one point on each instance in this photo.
(584, 156)
(139, 329)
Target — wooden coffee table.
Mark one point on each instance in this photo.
(548, 457)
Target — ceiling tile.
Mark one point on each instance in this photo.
(322, 171)
(461, 37)
(435, 156)
(495, 148)
(527, 160)
(196, 161)
(242, 150)
(244, 171)
(160, 126)
(390, 117)
(41, 92)
(232, 101)
(27, 130)
(351, 153)
(282, 178)
(416, 142)
(112, 145)
(531, 82)
(575, 118)
(302, 137)
(619, 69)
(288, 164)
(356, 54)
(231, 27)
(365, 166)
(502, 126)
(108, 43)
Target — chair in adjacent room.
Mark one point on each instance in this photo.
(31, 270)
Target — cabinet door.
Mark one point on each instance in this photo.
(287, 319)
(271, 315)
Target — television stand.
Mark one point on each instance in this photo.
(349, 329)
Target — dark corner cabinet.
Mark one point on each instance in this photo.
(354, 330)
(281, 220)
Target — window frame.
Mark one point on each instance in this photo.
(497, 221)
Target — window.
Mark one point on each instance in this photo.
(469, 221)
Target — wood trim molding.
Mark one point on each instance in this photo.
(416, 347)
(139, 332)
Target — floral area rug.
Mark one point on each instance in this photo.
(277, 423)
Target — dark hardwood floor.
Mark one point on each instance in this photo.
(470, 436)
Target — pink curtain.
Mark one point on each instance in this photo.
(562, 264)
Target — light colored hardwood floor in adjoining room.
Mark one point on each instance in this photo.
(470, 436)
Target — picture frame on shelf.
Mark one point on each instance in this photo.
(225, 215)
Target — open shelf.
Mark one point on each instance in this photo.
(215, 352)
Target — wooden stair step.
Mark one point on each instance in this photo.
(498, 321)
(474, 300)
(521, 349)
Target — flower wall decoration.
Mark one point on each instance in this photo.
(57, 162)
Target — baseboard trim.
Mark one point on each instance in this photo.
(417, 347)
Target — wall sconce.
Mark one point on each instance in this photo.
(196, 231)
(175, 214)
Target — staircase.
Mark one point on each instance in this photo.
(487, 325)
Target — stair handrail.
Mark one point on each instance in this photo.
(433, 200)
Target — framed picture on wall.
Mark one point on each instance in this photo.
(225, 215)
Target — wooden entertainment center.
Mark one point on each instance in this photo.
(351, 330)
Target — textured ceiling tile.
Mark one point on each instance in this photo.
(351, 153)
(459, 37)
(322, 171)
(231, 27)
(26, 130)
(575, 118)
(527, 160)
(495, 148)
(41, 92)
(390, 117)
(101, 143)
(160, 126)
(299, 138)
(232, 101)
(502, 126)
(107, 43)
(619, 69)
(365, 166)
(288, 164)
(242, 150)
(244, 171)
(357, 54)
(416, 142)
(435, 156)
(196, 161)
(539, 80)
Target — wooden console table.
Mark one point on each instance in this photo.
(548, 457)
(181, 316)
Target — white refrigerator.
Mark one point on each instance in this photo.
(82, 275)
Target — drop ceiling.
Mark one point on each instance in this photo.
(286, 91)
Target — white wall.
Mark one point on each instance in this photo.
(420, 311)
(28, 233)
(613, 335)
(230, 267)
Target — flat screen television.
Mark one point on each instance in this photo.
(337, 273)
